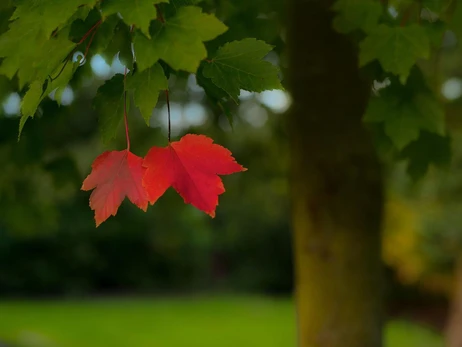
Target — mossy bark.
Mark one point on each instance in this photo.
(337, 197)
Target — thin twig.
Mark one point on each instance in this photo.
(60, 71)
(168, 112)
(92, 31)
(88, 45)
(125, 110)
(84, 37)
(407, 15)
(159, 14)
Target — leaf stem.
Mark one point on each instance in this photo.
(168, 112)
(84, 37)
(407, 15)
(60, 71)
(125, 110)
(92, 31)
(89, 44)
(159, 14)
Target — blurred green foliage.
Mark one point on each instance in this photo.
(48, 241)
(49, 244)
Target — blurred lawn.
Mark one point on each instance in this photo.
(201, 322)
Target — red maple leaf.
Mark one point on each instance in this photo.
(115, 175)
(191, 166)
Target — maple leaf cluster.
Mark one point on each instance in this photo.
(152, 39)
(191, 166)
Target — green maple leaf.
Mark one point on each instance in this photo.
(357, 14)
(146, 86)
(212, 91)
(121, 43)
(109, 103)
(396, 48)
(63, 80)
(83, 20)
(54, 53)
(104, 35)
(404, 120)
(31, 26)
(178, 41)
(82, 13)
(30, 102)
(216, 95)
(39, 89)
(16, 56)
(146, 54)
(239, 65)
(429, 149)
(44, 16)
(173, 6)
(178, 3)
(436, 6)
(5, 14)
(37, 61)
(136, 12)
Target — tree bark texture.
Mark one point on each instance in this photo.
(336, 186)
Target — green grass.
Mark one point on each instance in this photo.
(205, 322)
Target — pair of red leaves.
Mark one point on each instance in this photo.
(191, 166)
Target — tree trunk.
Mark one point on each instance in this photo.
(336, 186)
(454, 326)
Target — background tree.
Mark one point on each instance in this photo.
(335, 173)
(333, 162)
(326, 122)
